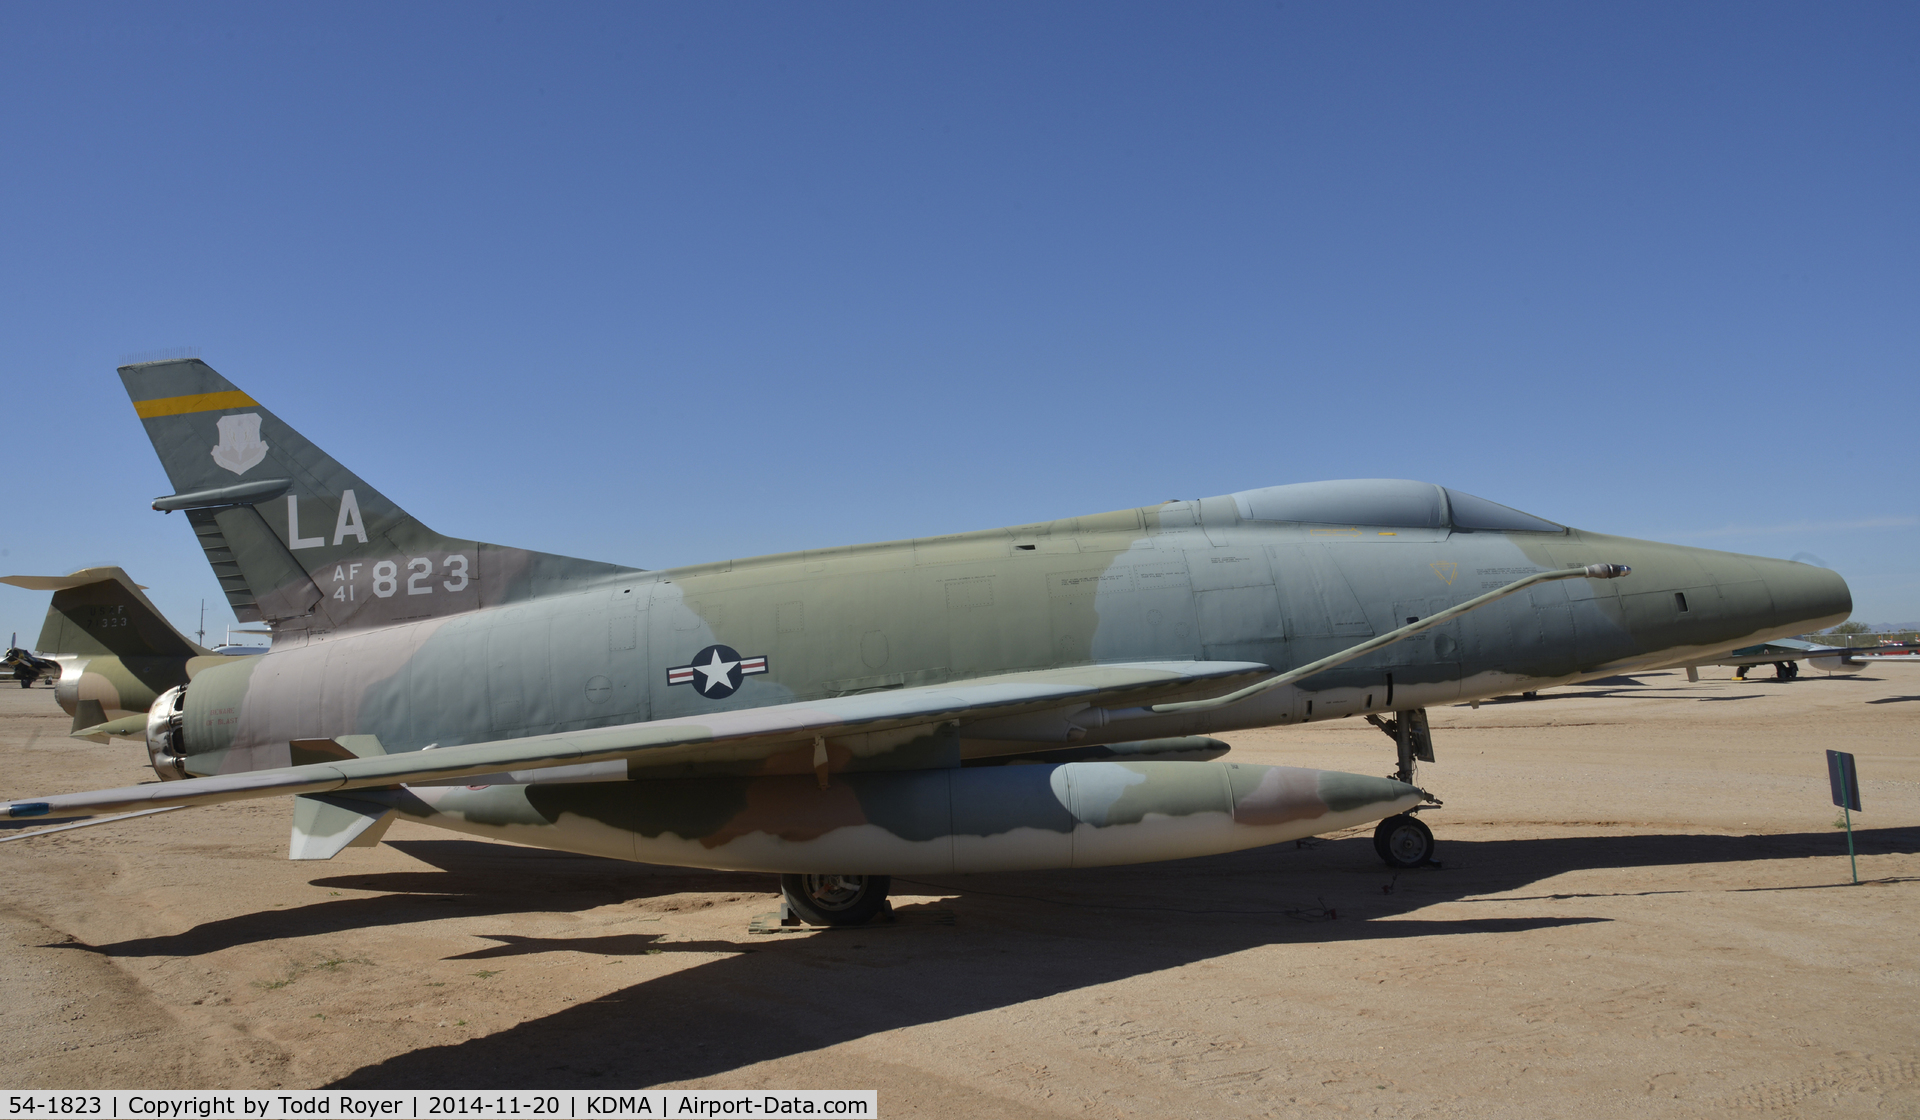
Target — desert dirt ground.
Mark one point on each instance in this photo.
(1643, 909)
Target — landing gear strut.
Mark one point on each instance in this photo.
(1404, 841)
(834, 900)
(1410, 733)
(1785, 670)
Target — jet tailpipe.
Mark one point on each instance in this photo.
(999, 818)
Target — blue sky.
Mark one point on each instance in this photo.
(668, 283)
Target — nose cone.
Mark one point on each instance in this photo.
(1804, 596)
(1681, 604)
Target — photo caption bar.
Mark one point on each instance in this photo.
(374, 1104)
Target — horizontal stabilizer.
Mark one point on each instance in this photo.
(62, 583)
(126, 727)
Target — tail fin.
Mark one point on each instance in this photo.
(301, 542)
(101, 611)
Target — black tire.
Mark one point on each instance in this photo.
(835, 900)
(1404, 841)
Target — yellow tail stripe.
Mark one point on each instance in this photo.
(195, 402)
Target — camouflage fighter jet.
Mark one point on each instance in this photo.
(113, 651)
(835, 716)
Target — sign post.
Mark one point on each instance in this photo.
(1846, 794)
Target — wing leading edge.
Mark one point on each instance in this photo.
(725, 735)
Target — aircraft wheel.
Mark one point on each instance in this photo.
(835, 900)
(1404, 841)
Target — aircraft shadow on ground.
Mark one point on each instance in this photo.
(1617, 688)
(472, 878)
(776, 997)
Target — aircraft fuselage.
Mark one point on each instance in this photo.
(1177, 582)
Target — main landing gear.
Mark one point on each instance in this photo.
(832, 900)
(1404, 841)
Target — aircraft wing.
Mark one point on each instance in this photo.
(742, 733)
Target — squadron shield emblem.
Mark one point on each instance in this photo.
(717, 671)
(240, 448)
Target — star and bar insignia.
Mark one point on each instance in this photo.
(716, 672)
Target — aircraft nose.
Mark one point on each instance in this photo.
(1802, 593)
(1679, 597)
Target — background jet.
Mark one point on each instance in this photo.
(26, 667)
(1785, 655)
(839, 715)
(113, 652)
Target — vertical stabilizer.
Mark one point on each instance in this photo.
(101, 611)
(298, 540)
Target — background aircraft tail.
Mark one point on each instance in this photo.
(298, 540)
(115, 651)
(101, 611)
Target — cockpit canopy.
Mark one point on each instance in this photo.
(1386, 501)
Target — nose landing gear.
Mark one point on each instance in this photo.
(1412, 737)
(1404, 841)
